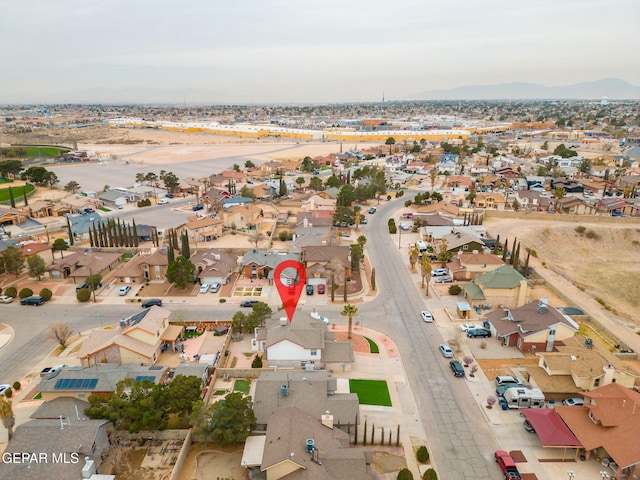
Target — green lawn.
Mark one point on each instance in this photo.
(18, 193)
(371, 392)
(241, 386)
(373, 346)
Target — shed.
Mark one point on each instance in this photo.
(221, 330)
(464, 309)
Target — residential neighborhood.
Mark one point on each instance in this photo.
(427, 267)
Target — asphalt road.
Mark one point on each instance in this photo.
(461, 442)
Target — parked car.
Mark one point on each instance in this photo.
(321, 289)
(372, 210)
(248, 303)
(345, 234)
(6, 299)
(507, 380)
(215, 287)
(507, 465)
(83, 285)
(478, 333)
(151, 302)
(465, 327)
(528, 427)
(124, 290)
(35, 300)
(317, 316)
(444, 280)
(309, 289)
(404, 227)
(169, 195)
(163, 201)
(439, 272)
(364, 221)
(573, 402)
(204, 288)
(445, 350)
(456, 368)
(426, 316)
(195, 208)
(4, 387)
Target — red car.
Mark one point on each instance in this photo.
(507, 465)
(321, 289)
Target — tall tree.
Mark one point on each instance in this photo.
(11, 199)
(59, 245)
(7, 416)
(390, 141)
(349, 311)
(181, 272)
(12, 260)
(36, 266)
(72, 186)
(425, 268)
(232, 419)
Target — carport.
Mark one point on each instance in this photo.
(551, 429)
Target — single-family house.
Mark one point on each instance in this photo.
(80, 265)
(305, 342)
(246, 216)
(313, 392)
(504, 286)
(459, 241)
(204, 229)
(532, 200)
(320, 259)
(214, 266)
(491, 200)
(319, 202)
(468, 265)
(141, 339)
(43, 250)
(116, 198)
(146, 266)
(535, 326)
(77, 202)
(261, 263)
(574, 205)
(63, 442)
(448, 162)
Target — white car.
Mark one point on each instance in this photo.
(469, 326)
(163, 201)
(446, 350)
(439, 272)
(6, 299)
(426, 316)
(215, 287)
(317, 316)
(204, 288)
(124, 290)
(4, 387)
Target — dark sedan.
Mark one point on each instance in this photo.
(478, 333)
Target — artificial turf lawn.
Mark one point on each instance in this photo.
(371, 392)
(373, 346)
(18, 193)
(241, 386)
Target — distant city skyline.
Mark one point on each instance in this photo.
(285, 51)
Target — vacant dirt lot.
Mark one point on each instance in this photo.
(603, 261)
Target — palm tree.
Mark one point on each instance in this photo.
(7, 416)
(349, 311)
(433, 174)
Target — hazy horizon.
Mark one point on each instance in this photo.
(282, 51)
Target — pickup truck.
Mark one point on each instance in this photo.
(507, 465)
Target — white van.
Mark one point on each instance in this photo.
(422, 246)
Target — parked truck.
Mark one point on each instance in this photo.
(519, 397)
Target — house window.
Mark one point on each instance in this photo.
(552, 331)
(465, 247)
(596, 382)
(158, 267)
(314, 353)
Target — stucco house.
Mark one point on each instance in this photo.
(80, 265)
(146, 266)
(468, 265)
(141, 339)
(317, 259)
(261, 263)
(246, 216)
(203, 229)
(504, 285)
(214, 266)
(533, 327)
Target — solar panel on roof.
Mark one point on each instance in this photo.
(76, 384)
(141, 378)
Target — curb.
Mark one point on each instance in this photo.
(7, 335)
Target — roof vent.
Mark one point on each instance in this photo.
(309, 445)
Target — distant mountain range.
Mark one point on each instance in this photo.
(613, 88)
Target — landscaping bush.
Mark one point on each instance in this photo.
(422, 454)
(407, 203)
(405, 474)
(580, 229)
(393, 229)
(11, 291)
(454, 290)
(25, 292)
(430, 475)
(83, 295)
(257, 362)
(223, 300)
(592, 235)
(46, 294)
(8, 393)
(17, 386)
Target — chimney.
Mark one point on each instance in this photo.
(327, 420)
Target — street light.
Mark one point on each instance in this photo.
(571, 474)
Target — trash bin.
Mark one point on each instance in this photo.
(504, 405)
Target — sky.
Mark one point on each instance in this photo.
(305, 51)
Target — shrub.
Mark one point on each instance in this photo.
(25, 292)
(223, 300)
(257, 362)
(422, 454)
(405, 474)
(407, 203)
(284, 236)
(454, 290)
(393, 229)
(580, 229)
(11, 291)
(430, 475)
(533, 252)
(592, 235)
(8, 393)
(388, 197)
(46, 294)
(83, 295)
(467, 359)
(491, 401)
(17, 385)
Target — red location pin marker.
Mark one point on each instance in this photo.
(290, 294)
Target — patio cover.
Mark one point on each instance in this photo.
(253, 449)
(171, 333)
(550, 428)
